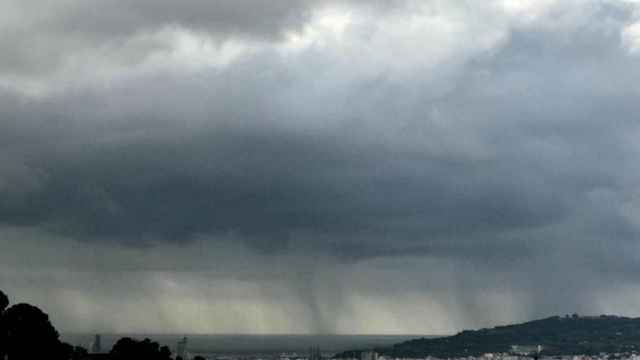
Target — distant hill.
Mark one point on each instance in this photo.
(558, 335)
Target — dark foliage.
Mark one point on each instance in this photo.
(72, 352)
(131, 349)
(4, 301)
(25, 326)
(26, 334)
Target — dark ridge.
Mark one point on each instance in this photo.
(558, 335)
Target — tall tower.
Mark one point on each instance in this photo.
(96, 347)
(182, 349)
(314, 353)
(368, 355)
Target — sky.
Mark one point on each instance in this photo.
(350, 167)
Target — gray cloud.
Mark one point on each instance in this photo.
(487, 155)
(56, 31)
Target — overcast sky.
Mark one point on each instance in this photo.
(258, 166)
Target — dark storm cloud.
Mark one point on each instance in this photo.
(267, 186)
(501, 157)
(233, 165)
(276, 187)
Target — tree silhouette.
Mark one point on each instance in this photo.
(4, 302)
(29, 334)
(26, 333)
(70, 352)
(131, 349)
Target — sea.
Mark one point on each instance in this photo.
(251, 346)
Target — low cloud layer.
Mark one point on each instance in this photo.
(359, 163)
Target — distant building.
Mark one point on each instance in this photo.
(182, 348)
(368, 355)
(314, 353)
(526, 350)
(96, 347)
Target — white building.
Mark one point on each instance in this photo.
(368, 355)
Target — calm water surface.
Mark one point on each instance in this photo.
(253, 344)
